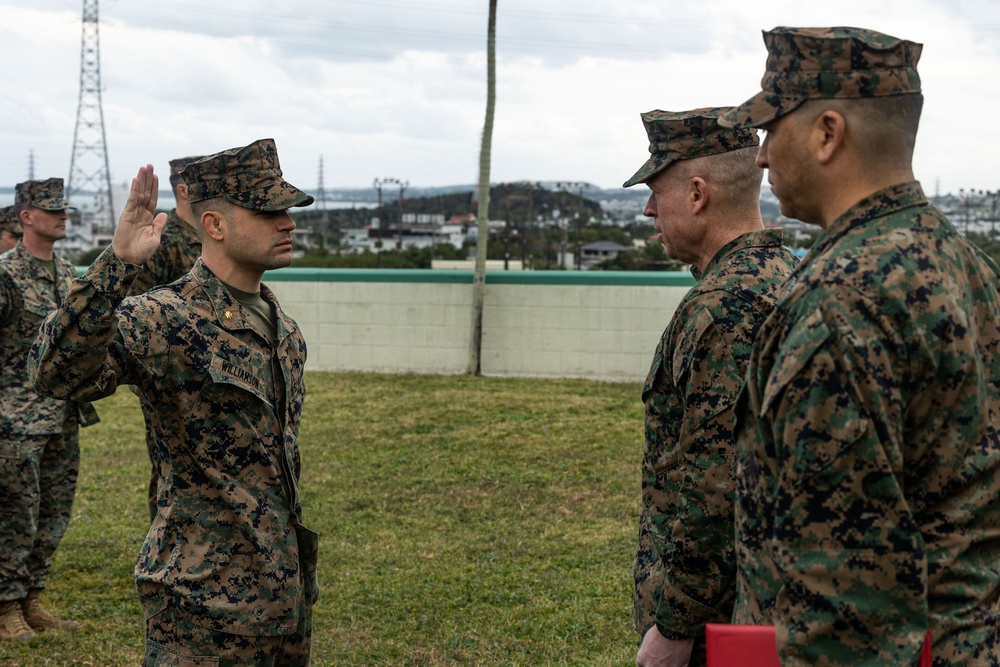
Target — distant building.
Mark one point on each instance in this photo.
(359, 240)
(595, 253)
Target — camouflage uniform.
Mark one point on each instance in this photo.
(868, 503)
(227, 551)
(685, 565)
(180, 247)
(10, 224)
(39, 441)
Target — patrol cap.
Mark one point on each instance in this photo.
(826, 63)
(46, 195)
(682, 135)
(177, 165)
(248, 176)
(9, 221)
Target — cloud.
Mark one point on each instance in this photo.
(394, 88)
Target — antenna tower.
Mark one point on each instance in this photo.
(88, 166)
(31, 165)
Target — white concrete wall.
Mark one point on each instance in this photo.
(600, 332)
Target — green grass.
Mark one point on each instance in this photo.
(463, 521)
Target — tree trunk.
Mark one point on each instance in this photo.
(483, 213)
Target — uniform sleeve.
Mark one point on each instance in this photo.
(144, 281)
(154, 272)
(846, 549)
(699, 561)
(80, 352)
(10, 298)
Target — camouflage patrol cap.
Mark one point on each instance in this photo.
(177, 165)
(9, 221)
(682, 135)
(248, 176)
(46, 195)
(826, 63)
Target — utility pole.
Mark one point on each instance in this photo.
(31, 165)
(378, 227)
(88, 165)
(993, 212)
(324, 218)
(399, 244)
(518, 191)
(399, 230)
(966, 199)
(563, 187)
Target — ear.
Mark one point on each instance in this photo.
(697, 194)
(214, 224)
(25, 217)
(182, 192)
(827, 138)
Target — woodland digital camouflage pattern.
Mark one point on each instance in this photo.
(174, 627)
(685, 564)
(9, 221)
(824, 63)
(39, 445)
(177, 164)
(681, 135)
(46, 195)
(227, 544)
(869, 463)
(249, 176)
(180, 248)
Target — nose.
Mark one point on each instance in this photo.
(285, 222)
(650, 209)
(762, 152)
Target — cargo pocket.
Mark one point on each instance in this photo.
(158, 655)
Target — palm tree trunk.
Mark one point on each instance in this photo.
(483, 213)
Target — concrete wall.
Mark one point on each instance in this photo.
(596, 325)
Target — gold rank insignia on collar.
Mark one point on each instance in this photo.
(229, 314)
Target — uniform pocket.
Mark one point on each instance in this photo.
(796, 351)
(821, 418)
(158, 655)
(246, 376)
(10, 448)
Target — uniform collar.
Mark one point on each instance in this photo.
(34, 271)
(228, 311)
(877, 205)
(760, 238)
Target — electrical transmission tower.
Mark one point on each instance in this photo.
(88, 166)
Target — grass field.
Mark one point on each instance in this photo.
(463, 521)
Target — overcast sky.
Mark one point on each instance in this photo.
(397, 88)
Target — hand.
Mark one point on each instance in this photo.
(137, 235)
(658, 651)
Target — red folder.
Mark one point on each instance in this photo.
(755, 646)
(741, 645)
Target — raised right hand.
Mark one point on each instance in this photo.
(137, 235)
